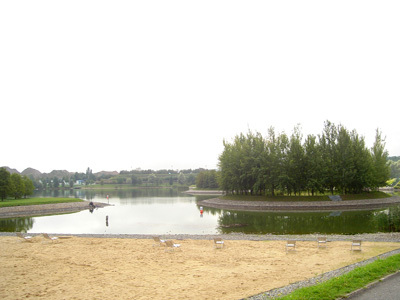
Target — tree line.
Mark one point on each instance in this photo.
(14, 185)
(337, 161)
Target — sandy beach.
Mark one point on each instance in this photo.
(114, 268)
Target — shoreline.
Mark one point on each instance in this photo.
(46, 209)
(300, 206)
(366, 237)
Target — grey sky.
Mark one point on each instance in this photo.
(116, 85)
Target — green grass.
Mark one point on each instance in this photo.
(345, 284)
(36, 201)
(362, 196)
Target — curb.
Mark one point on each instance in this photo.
(300, 206)
(368, 286)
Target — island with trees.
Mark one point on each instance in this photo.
(337, 161)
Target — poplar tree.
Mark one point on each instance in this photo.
(381, 168)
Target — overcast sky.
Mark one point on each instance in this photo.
(120, 85)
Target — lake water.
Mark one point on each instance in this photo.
(168, 211)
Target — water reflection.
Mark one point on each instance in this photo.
(167, 211)
(349, 222)
(388, 220)
(16, 224)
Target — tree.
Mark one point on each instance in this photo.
(338, 162)
(56, 182)
(328, 152)
(207, 179)
(190, 179)
(362, 164)
(5, 181)
(17, 185)
(152, 178)
(312, 165)
(344, 160)
(296, 162)
(29, 187)
(181, 178)
(274, 161)
(381, 168)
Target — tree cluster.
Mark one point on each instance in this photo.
(14, 185)
(207, 180)
(337, 161)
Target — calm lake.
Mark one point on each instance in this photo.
(168, 211)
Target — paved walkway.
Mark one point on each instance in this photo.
(388, 289)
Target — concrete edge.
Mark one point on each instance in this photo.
(300, 206)
(370, 285)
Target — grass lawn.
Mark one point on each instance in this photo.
(362, 196)
(36, 201)
(345, 284)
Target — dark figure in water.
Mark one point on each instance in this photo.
(91, 206)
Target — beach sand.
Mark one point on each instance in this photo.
(113, 268)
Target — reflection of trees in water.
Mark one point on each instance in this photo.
(16, 224)
(388, 220)
(130, 193)
(212, 211)
(297, 223)
(57, 193)
(117, 193)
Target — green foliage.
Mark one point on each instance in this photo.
(5, 183)
(14, 185)
(56, 182)
(341, 286)
(29, 187)
(17, 186)
(380, 161)
(153, 179)
(181, 178)
(389, 220)
(339, 162)
(394, 168)
(207, 180)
